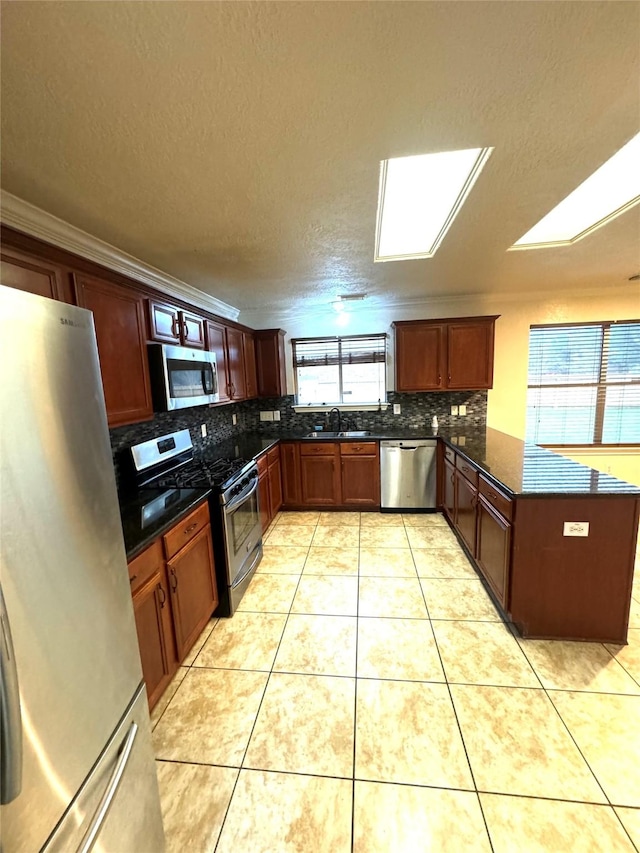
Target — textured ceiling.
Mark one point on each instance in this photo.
(236, 146)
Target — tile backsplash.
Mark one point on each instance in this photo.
(417, 411)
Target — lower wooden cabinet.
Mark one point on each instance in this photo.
(449, 490)
(494, 541)
(466, 515)
(331, 474)
(269, 486)
(290, 462)
(360, 474)
(172, 599)
(194, 594)
(319, 473)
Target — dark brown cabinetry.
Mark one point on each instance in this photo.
(120, 331)
(494, 540)
(290, 461)
(327, 473)
(170, 325)
(174, 594)
(269, 485)
(217, 343)
(434, 355)
(235, 361)
(319, 473)
(270, 363)
(466, 501)
(154, 626)
(360, 474)
(249, 351)
(33, 275)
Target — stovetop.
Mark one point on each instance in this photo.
(204, 473)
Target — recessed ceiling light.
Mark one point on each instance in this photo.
(609, 191)
(419, 198)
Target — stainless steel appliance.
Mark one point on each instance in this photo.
(77, 764)
(169, 462)
(182, 377)
(408, 474)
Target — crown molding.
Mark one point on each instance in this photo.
(31, 220)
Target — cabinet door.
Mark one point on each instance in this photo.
(275, 487)
(449, 490)
(251, 382)
(192, 328)
(164, 323)
(265, 500)
(270, 363)
(466, 500)
(194, 594)
(155, 635)
(494, 541)
(217, 343)
(32, 275)
(360, 480)
(419, 357)
(320, 480)
(470, 354)
(290, 461)
(235, 364)
(118, 315)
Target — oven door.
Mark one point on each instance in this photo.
(242, 531)
(182, 377)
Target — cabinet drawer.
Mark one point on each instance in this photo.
(503, 504)
(450, 455)
(467, 470)
(262, 464)
(142, 567)
(184, 532)
(317, 448)
(359, 448)
(273, 455)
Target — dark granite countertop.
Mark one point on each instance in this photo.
(149, 513)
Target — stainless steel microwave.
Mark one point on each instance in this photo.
(182, 377)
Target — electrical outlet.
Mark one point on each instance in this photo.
(575, 528)
(461, 441)
(276, 415)
(462, 410)
(203, 430)
(397, 408)
(263, 416)
(234, 419)
(454, 410)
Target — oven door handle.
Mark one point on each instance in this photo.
(248, 571)
(238, 499)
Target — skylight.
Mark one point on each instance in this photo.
(608, 192)
(419, 198)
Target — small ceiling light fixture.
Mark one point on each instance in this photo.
(342, 301)
(419, 198)
(610, 191)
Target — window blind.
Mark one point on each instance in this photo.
(356, 349)
(584, 384)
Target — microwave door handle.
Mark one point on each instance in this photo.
(208, 384)
(10, 716)
(238, 499)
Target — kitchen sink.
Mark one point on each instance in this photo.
(358, 433)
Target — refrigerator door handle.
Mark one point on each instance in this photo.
(10, 716)
(111, 790)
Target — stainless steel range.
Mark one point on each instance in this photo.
(170, 462)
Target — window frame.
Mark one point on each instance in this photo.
(601, 385)
(382, 336)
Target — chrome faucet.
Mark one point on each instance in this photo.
(337, 410)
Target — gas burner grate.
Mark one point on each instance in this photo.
(203, 473)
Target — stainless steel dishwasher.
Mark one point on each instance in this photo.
(408, 474)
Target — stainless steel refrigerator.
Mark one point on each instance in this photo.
(77, 768)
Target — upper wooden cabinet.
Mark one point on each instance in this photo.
(270, 362)
(169, 325)
(235, 364)
(217, 343)
(438, 355)
(251, 381)
(118, 315)
(33, 275)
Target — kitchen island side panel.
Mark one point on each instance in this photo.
(574, 586)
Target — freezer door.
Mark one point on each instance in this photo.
(62, 563)
(117, 809)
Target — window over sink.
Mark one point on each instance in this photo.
(340, 370)
(584, 384)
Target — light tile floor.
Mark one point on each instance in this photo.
(368, 697)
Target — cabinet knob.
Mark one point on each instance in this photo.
(174, 580)
(131, 579)
(191, 527)
(185, 329)
(162, 594)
